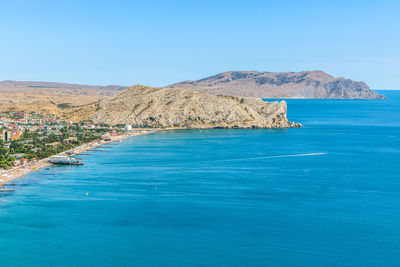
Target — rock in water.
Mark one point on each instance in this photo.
(305, 84)
(144, 106)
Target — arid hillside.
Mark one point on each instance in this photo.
(48, 97)
(145, 106)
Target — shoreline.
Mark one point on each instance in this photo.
(18, 172)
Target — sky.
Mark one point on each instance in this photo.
(162, 42)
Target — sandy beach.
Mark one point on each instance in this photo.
(20, 171)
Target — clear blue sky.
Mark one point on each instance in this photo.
(161, 42)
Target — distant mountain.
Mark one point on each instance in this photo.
(305, 84)
(26, 85)
(145, 106)
(48, 97)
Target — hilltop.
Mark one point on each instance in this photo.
(144, 106)
(305, 84)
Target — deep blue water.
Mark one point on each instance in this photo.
(215, 198)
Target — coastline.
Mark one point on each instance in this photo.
(18, 172)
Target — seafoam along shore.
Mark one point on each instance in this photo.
(20, 171)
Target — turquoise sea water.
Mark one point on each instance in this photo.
(216, 198)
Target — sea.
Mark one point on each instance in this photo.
(326, 194)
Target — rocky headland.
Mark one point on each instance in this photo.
(302, 85)
(143, 106)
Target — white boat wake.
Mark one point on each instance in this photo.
(277, 156)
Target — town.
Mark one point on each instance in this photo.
(29, 137)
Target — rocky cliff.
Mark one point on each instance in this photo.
(305, 84)
(175, 107)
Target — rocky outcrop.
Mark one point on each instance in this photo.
(305, 84)
(144, 106)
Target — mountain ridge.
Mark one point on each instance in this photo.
(303, 85)
(8, 84)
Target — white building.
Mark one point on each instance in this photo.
(128, 127)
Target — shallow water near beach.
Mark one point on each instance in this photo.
(219, 198)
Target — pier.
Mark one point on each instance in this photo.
(64, 160)
(68, 163)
